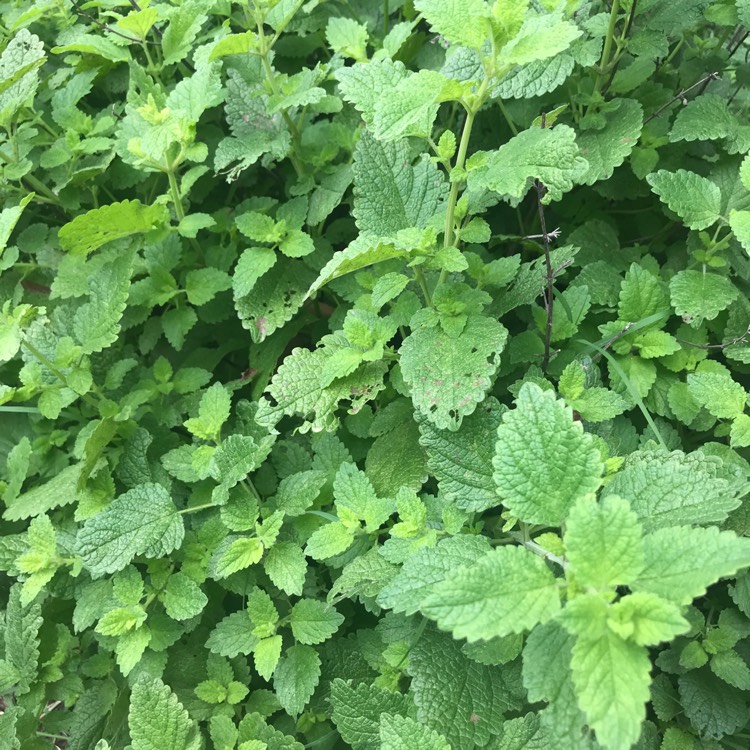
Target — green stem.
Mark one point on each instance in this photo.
(56, 372)
(422, 281)
(603, 71)
(174, 190)
(463, 147)
(197, 508)
(247, 483)
(271, 78)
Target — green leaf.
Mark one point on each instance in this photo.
(509, 590)
(712, 707)
(411, 107)
(603, 542)
(732, 668)
(203, 284)
(699, 296)
(19, 63)
(416, 580)
(681, 562)
(549, 155)
(158, 721)
(97, 323)
(183, 597)
(461, 461)
(646, 619)
(363, 84)
(253, 263)
(361, 253)
(22, 643)
(389, 193)
(142, 521)
(460, 699)
(355, 495)
(739, 221)
(313, 621)
(403, 733)
(463, 22)
(296, 390)
(536, 78)
(266, 656)
(213, 411)
(544, 461)
(705, 118)
(671, 489)
(59, 491)
(357, 710)
(115, 221)
(695, 199)
(184, 24)
(234, 459)
(717, 392)
(9, 217)
(239, 554)
(296, 678)
(329, 540)
(449, 376)
(641, 295)
(607, 148)
(611, 678)
(233, 636)
(286, 566)
(539, 38)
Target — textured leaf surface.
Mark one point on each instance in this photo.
(699, 295)
(695, 199)
(543, 462)
(157, 720)
(462, 460)
(540, 37)
(403, 733)
(603, 542)
(705, 118)
(681, 562)
(458, 698)
(672, 489)
(608, 148)
(419, 576)
(509, 590)
(389, 193)
(459, 21)
(95, 228)
(142, 521)
(296, 390)
(449, 376)
(549, 155)
(296, 677)
(611, 676)
(357, 710)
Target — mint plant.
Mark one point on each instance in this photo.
(374, 375)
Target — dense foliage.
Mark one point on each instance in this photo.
(374, 374)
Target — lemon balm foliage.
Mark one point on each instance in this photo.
(374, 375)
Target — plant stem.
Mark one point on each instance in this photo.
(549, 292)
(537, 549)
(422, 281)
(56, 372)
(197, 508)
(174, 190)
(463, 147)
(603, 71)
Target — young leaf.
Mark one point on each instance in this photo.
(296, 677)
(699, 296)
(403, 733)
(544, 461)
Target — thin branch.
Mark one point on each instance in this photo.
(741, 339)
(681, 96)
(738, 43)
(622, 332)
(548, 295)
(107, 27)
